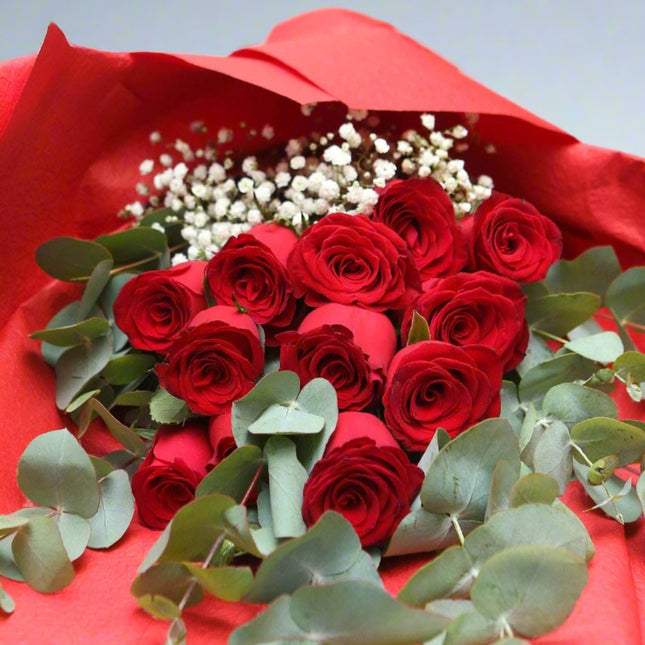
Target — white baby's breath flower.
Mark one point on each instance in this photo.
(428, 121)
(143, 189)
(254, 216)
(298, 162)
(245, 185)
(348, 132)
(201, 219)
(199, 190)
(294, 147)
(200, 172)
(146, 166)
(404, 147)
(216, 173)
(357, 115)
(135, 208)
(178, 258)
(336, 156)
(249, 165)
(329, 190)
(165, 159)
(155, 137)
(264, 191)
(384, 168)
(282, 179)
(350, 174)
(381, 146)
(268, 132)
(224, 135)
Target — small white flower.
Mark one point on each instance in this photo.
(224, 135)
(146, 166)
(135, 209)
(308, 108)
(264, 191)
(216, 173)
(254, 216)
(298, 162)
(293, 148)
(299, 183)
(384, 168)
(268, 132)
(381, 146)
(200, 172)
(155, 137)
(199, 190)
(357, 115)
(428, 121)
(282, 179)
(245, 185)
(201, 219)
(329, 190)
(180, 170)
(143, 189)
(249, 165)
(350, 173)
(336, 156)
(178, 258)
(165, 159)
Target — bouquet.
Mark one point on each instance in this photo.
(334, 337)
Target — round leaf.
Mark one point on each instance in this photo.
(532, 588)
(115, 511)
(558, 314)
(74, 334)
(70, 259)
(626, 296)
(55, 471)
(170, 580)
(227, 583)
(75, 533)
(552, 454)
(534, 488)
(144, 247)
(604, 347)
(125, 369)
(602, 436)
(571, 403)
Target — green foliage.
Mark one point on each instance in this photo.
(166, 408)
(419, 329)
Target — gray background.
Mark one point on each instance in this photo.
(577, 63)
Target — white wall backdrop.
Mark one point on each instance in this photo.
(577, 63)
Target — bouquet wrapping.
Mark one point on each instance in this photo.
(73, 123)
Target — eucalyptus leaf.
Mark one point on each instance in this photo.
(571, 403)
(557, 314)
(40, 555)
(115, 511)
(287, 478)
(258, 542)
(94, 287)
(70, 259)
(511, 409)
(286, 419)
(458, 481)
(604, 347)
(8, 567)
(640, 490)
(126, 369)
(471, 628)
(626, 297)
(537, 351)
(77, 367)
(7, 604)
(602, 436)
(532, 588)
(227, 583)
(55, 471)
(166, 408)
(502, 484)
(109, 295)
(553, 456)
(172, 228)
(534, 488)
(142, 247)
(633, 363)
(159, 606)
(177, 633)
(75, 334)
(171, 580)
(448, 575)
(419, 329)
(11, 523)
(75, 533)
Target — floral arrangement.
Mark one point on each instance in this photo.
(323, 355)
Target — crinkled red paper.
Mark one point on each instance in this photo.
(74, 124)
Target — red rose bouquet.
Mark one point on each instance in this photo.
(323, 344)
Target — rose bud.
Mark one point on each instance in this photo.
(478, 308)
(214, 362)
(365, 477)
(432, 385)
(154, 307)
(220, 434)
(349, 346)
(174, 466)
(511, 237)
(247, 272)
(352, 260)
(421, 212)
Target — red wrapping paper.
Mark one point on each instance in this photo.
(74, 124)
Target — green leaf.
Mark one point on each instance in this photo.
(227, 583)
(143, 246)
(170, 580)
(7, 604)
(571, 403)
(537, 352)
(78, 366)
(177, 633)
(286, 419)
(552, 454)
(502, 482)
(419, 329)
(536, 524)
(274, 388)
(626, 297)
(109, 295)
(471, 628)
(11, 523)
(450, 574)
(115, 511)
(172, 229)
(601, 436)
(640, 490)
(458, 481)
(75, 533)
(55, 471)
(159, 607)
(287, 477)
(604, 347)
(534, 488)
(560, 313)
(70, 259)
(233, 475)
(591, 271)
(538, 380)
(615, 496)
(41, 557)
(348, 612)
(602, 469)
(531, 588)
(73, 334)
(125, 369)
(330, 549)
(135, 399)
(94, 287)
(258, 542)
(166, 408)
(633, 363)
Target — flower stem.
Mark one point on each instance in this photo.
(458, 531)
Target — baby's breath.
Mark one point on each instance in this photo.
(215, 197)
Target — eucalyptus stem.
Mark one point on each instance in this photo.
(458, 531)
(550, 336)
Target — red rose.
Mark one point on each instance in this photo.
(478, 308)
(154, 307)
(421, 212)
(352, 260)
(167, 478)
(511, 237)
(220, 434)
(370, 484)
(248, 273)
(349, 346)
(432, 384)
(214, 362)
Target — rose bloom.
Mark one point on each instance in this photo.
(352, 260)
(349, 346)
(421, 212)
(478, 308)
(247, 272)
(154, 307)
(511, 237)
(432, 385)
(365, 477)
(214, 362)
(167, 478)
(220, 434)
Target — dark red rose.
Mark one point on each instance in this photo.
(220, 434)
(421, 212)
(246, 272)
(432, 384)
(349, 346)
(167, 478)
(352, 260)
(214, 362)
(511, 237)
(154, 307)
(370, 482)
(478, 308)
